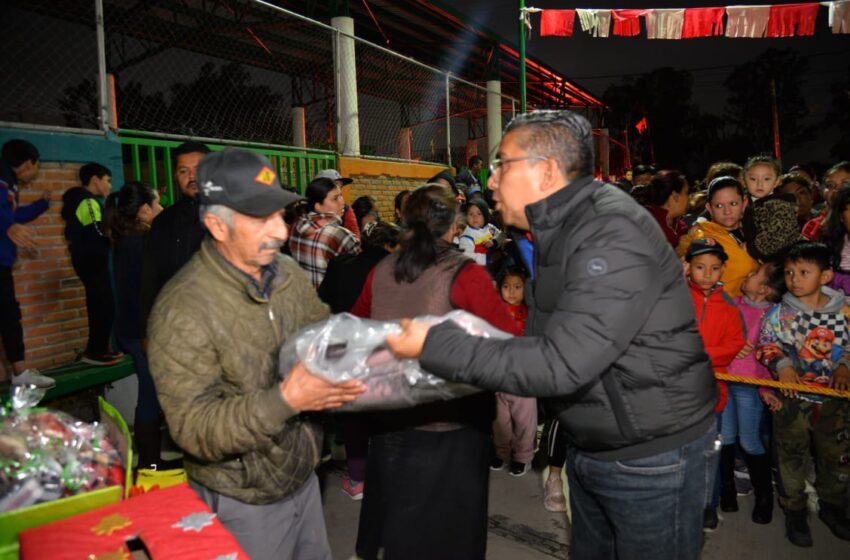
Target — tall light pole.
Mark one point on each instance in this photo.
(522, 103)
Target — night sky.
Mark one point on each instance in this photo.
(595, 63)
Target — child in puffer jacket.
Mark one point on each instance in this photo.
(719, 325)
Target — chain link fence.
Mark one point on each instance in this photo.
(231, 70)
(49, 63)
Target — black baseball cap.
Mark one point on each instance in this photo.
(242, 180)
(705, 246)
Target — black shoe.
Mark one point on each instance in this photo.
(108, 359)
(519, 469)
(710, 520)
(835, 518)
(496, 464)
(797, 528)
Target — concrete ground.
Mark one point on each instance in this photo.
(521, 529)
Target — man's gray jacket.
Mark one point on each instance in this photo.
(611, 336)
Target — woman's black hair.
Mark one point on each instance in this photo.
(362, 207)
(834, 231)
(315, 193)
(120, 217)
(430, 212)
(663, 185)
(482, 206)
(725, 182)
(381, 234)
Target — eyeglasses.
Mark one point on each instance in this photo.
(497, 163)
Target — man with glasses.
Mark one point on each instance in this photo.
(612, 344)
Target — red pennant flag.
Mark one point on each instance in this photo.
(703, 22)
(788, 20)
(627, 22)
(642, 125)
(557, 22)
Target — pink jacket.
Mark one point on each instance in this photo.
(751, 314)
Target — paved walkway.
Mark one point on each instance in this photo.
(521, 529)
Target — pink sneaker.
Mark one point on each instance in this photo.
(353, 488)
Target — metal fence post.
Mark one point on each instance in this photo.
(103, 114)
(448, 121)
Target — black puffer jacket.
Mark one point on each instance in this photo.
(612, 340)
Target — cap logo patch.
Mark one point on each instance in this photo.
(265, 176)
(209, 186)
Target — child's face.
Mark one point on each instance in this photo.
(705, 271)
(513, 289)
(760, 180)
(804, 278)
(27, 171)
(102, 185)
(474, 217)
(756, 287)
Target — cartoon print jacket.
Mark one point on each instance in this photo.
(814, 342)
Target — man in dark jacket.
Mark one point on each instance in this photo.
(176, 233)
(612, 343)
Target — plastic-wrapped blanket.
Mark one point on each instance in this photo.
(345, 347)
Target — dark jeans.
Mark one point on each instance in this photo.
(641, 508)
(147, 405)
(11, 331)
(93, 271)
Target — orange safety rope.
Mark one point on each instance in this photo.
(800, 388)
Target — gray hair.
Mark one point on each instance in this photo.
(224, 213)
(564, 136)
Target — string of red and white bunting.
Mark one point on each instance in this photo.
(738, 22)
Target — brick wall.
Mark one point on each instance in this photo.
(50, 294)
(383, 180)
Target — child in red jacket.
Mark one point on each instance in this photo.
(719, 324)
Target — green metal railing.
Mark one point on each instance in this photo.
(148, 158)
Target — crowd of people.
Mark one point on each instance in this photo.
(624, 299)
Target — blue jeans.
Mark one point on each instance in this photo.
(642, 508)
(742, 419)
(147, 405)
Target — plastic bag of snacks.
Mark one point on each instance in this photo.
(47, 454)
(345, 347)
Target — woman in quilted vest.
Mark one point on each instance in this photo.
(427, 472)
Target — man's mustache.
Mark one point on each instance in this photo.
(276, 245)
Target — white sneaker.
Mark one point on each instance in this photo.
(33, 377)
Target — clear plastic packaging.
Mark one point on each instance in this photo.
(346, 347)
(47, 454)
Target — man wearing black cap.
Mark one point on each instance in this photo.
(215, 331)
(176, 233)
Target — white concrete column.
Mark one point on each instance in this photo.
(345, 71)
(494, 116)
(299, 127)
(405, 143)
